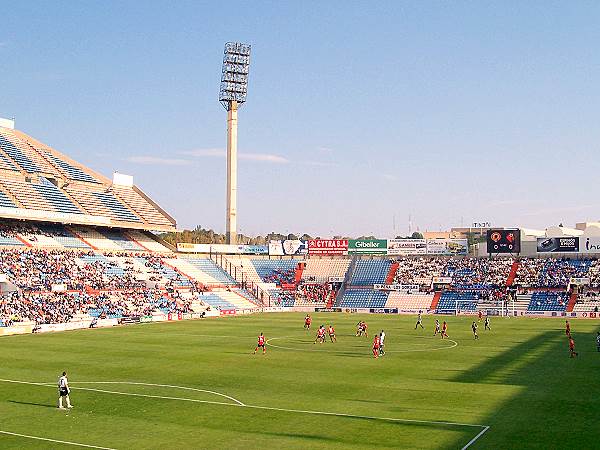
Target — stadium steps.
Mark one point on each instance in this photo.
(190, 271)
(298, 274)
(513, 273)
(392, 273)
(572, 301)
(436, 300)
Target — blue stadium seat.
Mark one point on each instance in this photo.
(364, 298)
(18, 156)
(5, 201)
(209, 267)
(368, 272)
(56, 197)
(75, 173)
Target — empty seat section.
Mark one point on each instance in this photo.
(27, 195)
(5, 201)
(405, 301)
(95, 238)
(462, 301)
(102, 204)
(364, 298)
(215, 301)
(122, 241)
(141, 206)
(319, 270)
(63, 236)
(56, 197)
(209, 267)
(23, 154)
(74, 173)
(369, 272)
(147, 241)
(5, 163)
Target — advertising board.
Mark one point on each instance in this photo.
(407, 247)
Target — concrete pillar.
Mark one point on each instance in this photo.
(231, 225)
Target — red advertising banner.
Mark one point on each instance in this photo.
(328, 247)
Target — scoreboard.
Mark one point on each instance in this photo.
(504, 241)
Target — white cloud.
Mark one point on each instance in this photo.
(220, 153)
(264, 157)
(156, 161)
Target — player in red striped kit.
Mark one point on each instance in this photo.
(261, 343)
(376, 344)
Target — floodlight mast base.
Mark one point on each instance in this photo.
(232, 126)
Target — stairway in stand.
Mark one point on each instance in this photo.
(513, 273)
(436, 300)
(392, 273)
(572, 301)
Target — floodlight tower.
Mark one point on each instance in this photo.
(234, 87)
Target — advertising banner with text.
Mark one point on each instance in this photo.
(558, 245)
(328, 247)
(407, 247)
(447, 247)
(288, 247)
(368, 246)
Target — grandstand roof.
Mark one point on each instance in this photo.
(40, 183)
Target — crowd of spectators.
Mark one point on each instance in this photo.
(280, 276)
(52, 286)
(552, 272)
(313, 292)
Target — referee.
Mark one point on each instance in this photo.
(63, 391)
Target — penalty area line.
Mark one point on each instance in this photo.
(484, 428)
(57, 441)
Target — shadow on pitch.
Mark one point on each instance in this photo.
(41, 405)
(556, 405)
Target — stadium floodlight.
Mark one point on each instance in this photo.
(233, 91)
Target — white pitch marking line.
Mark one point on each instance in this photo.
(455, 344)
(133, 383)
(77, 444)
(472, 441)
(269, 408)
(132, 394)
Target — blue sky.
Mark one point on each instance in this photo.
(357, 112)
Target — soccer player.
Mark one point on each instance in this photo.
(365, 328)
(382, 343)
(359, 328)
(320, 335)
(567, 328)
(486, 324)
(437, 327)
(419, 321)
(307, 322)
(572, 351)
(474, 328)
(64, 391)
(260, 344)
(376, 346)
(598, 341)
(331, 333)
(444, 330)
(480, 316)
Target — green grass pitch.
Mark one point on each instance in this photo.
(201, 386)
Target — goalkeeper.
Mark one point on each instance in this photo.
(63, 391)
